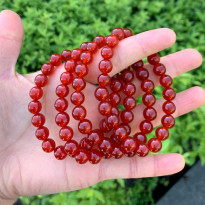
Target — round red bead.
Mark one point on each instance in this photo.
(113, 120)
(104, 108)
(127, 116)
(55, 59)
(66, 133)
(154, 145)
(60, 153)
(38, 120)
(70, 65)
(105, 66)
(100, 40)
(115, 98)
(105, 126)
(62, 119)
(107, 52)
(168, 121)
(127, 32)
(120, 133)
(146, 127)
(142, 150)
(75, 54)
(77, 98)
(66, 55)
(79, 84)
(165, 81)
(116, 85)
(34, 107)
(115, 111)
(61, 104)
(41, 80)
(137, 65)
(162, 133)
(159, 69)
(147, 86)
(169, 94)
(85, 57)
(71, 147)
(79, 113)
(140, 138)
(148, 99)
(118, 151)
(129, 89)
(150, 113)
(104, 80)
(62, 91)
(83, 46)
(101, 93)
(47, 69)
(142, 74)
(127, 75)
(48, 145)
(129, 103)
(66, 78)
(153, 59)
(127, 128)
(81, 156)
(81, 70)
(169, 107)
(42, 133)
(85, 126)
(36, 93)
(106, 145)
(92, 47)
(95, 136)
(119, 33)
(95, 156)
(112, 40)
(85, 143)
(129, 144)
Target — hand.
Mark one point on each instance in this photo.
(26, 169)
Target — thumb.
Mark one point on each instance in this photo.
(11, 37)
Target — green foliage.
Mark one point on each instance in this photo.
(51, 26)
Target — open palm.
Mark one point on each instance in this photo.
(26, 169)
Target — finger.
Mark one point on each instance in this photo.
(185, 102)
(11, 37)
(139, 167)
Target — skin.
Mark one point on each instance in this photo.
(26, 169)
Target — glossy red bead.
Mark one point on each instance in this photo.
(86, 57)
(166, 81)
(115, 98)
(169, 94)
(66, 55)
(129, 103)
(48, 145)
(104, 80)
(111, 40)
(95, 156)
(78, 84)
(140, 138)
(162, 133)
(127, 128)
(148, 99)
(105, 126)
(119, 33)
(100, 40)
(81, 70)
(146, 127)
(77, 98)
(62, 119)
(150, 113)
(60, 153)
(34, 107)
(92, 47)
(105, 66)
(142, 74)
(106, 52)
(147, 86)
(85, 144)
(113, 120)
(153, 59)
(142, 150)
(168, 121)
(55, 59)
(71, 148)
(66, 133)
(61, 104)
(36, 93)
(41, 80)
(127, 116)
(127, 75)
(79, 113)
(75, 54)
(115, 111)
(85, 126)
(83, 46)
(101, 93)
(154, 145)
(169, 107)
(120, 132)
(116, 85)
(106, 145)
(127, 32)
(129, 144)
(104, 108)
(129, 89)
(118, 151)
(137, 65)
(38, 120)
(66, 78)
(47, 68)
(159, 69)
(81, 156)
(95, 136)
(62, 91)
(42, 133)
(70, 65)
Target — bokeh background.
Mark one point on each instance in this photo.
(52, 25)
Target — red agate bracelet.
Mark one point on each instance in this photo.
(112, 136)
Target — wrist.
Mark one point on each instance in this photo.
(7, 201)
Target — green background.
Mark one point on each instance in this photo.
(53, 25)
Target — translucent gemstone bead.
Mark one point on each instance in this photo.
(146, 127)
(118, 151)
(79, 84)
(104, 108)
(169, 107)
(61, 104)
(66, 78)
(42, 133)
(47, 69)
(127, 75)
(162, 133)
(71, 148)
(129, 144)
(105, 66)
(62, 119)
(81, 70)
(120, 133)
(66, 55)
(79, 113)
(95, 156)
(154, 145)
(153, 59)
(169, 94)
(83, 46)
(142, 74)
(119, 33)
(104, 80)
(66, 133)
(75, 54)
(101, 93)
(129, 103)
(62, 90)
(168, 121)
(127, 128)
(142, 150)
(95, 136)
(115, 140)
(112, 40)
(106, 155)
(113, 120)
(55, 59)
(36, 93)
(116, 85)
(127, 32)
(60, 153)
(86, 57)
(127, 116)
(159, 69)
(147, 86)
(105, 126)
(106, 52)
(34, 107)
(150, 113)
(41, 80)
(48, 145)
(115, 111)
(92, 47)
(129, 89)
(85, 144)
(77, 98)
(38, 120)
(115, 99)
(165, 81)
(70, 65)
(106, 145)
(85, 126)
(100, 40)
(137, 65)
(140, 138)
(148, 99)
(81, 156)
